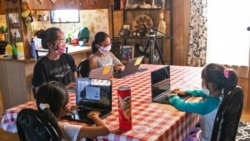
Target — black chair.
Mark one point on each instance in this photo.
(83, 68)
(43, 52)
(32, 127)
(40, 53)
(228, 116)
(33, 89)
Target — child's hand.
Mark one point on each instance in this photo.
(93, 114)
(168, 95)
(118, 68)
(178, 92)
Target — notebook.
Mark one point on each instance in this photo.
(105, 72)
(160, 85)
(131, 67)
(92, 94)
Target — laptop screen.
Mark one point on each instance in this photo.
(160, 81)
(94, 93)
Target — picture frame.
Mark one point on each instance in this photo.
(127, 52)
(15, 33)
(91, 2)
(126, 26)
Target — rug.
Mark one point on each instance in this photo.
(243, 133)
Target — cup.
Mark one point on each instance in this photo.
(81, 43)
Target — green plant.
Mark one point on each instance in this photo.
(3, 29)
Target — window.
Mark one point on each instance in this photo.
(228, 38)
(65, 16)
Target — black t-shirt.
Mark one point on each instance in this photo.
(61, 70)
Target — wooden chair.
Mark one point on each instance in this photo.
(83, 68)
(32, 127)
(228, 116)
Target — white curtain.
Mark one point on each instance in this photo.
(228, 38)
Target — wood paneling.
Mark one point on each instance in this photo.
(181, 11)
(2, 7)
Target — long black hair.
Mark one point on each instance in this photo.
(56, 96)
(224, 78)
(99, 38)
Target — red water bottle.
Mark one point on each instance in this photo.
(124, 108)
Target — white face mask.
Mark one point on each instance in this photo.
(206, 90)
(104, 50)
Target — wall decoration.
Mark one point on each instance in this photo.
(92, 2)
(127, 53)
(27, 15)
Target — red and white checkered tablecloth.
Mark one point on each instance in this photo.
(151, 121)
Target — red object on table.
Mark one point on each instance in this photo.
(124, 108)
(151, 121)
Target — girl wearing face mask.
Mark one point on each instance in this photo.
(217, 81)
(56, 65)
(101, 55)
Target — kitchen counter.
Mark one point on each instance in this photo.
(16, 76)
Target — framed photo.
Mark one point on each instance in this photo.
(15, 33)
(127, 52)
(126, 26)
(92, 2)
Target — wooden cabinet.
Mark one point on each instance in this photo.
(3, 7)
(94, 4)
(38, 5)
(141, 26)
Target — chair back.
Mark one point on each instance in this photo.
(83, 68)
(32, 127)
(228, 116)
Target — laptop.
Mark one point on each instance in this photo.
(160, 85)
(105, 72)
(92, 94)
(131, 67)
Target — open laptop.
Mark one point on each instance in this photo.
(105, 72)
(131, 67)
(92, 94)
(160, 85)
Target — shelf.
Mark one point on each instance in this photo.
(143, 9)
(141, 21)
(134, 37)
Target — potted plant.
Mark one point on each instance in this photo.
(3, 30)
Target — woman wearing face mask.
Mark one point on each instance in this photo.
(56, 65)
(217, 81)
(101, 55)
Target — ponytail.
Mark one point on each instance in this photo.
(232, 80)
(49, 116)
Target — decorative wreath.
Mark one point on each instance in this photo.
(141, 24)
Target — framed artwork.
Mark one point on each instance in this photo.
(92, 2)
(126, 26)
(15, 33)
(127, 52)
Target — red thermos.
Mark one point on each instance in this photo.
(124, 108)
